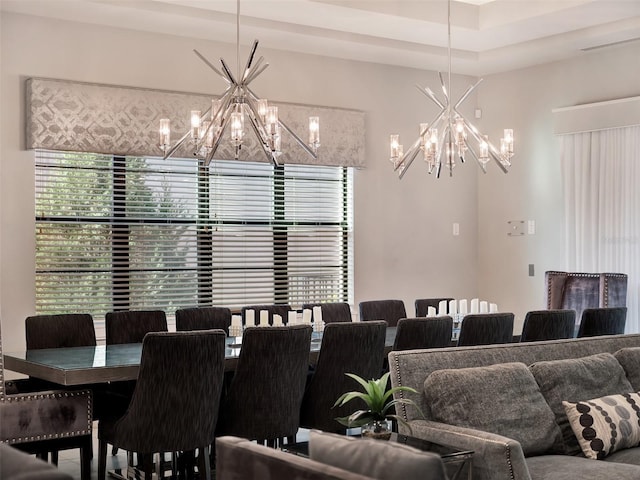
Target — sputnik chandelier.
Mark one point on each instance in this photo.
(229, 111)
(448, 134)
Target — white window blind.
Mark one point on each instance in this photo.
(116, 233)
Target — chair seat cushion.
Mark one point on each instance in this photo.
(574, 380)
(503, 399)
(566, 467)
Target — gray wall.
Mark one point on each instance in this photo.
(404, 247)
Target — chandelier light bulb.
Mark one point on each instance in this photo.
(271, 120)
(195, 124)
(394, 143)
(165, 134)
(263, 106)
(237, 127)
(314, 133)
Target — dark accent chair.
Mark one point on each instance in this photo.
(265, 394)
(602, 321)
(47, 421)
(282, 310)
(540, 325)
(388, 310)
(486, 329)
(422, 305)
(332, 312)
(414, 333)
(203, 318)
(175, 403)
(578, 291)
(130, 326)
(355, 347)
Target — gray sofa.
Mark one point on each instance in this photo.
(516, 390)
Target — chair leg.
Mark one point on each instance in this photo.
(146, 461)
(86, 453)
(54, 457)
(102, 460)
(204, 467)
(114, 451)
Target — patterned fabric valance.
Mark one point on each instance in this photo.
(85, 117)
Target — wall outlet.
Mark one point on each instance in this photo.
(456, 229)
(532, 272)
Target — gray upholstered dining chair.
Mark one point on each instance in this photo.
(422, 305)
(162, 417)
(602, 321)
(203, 318)
(388, 310)
(47, 421)
(264, 396)
(332, 312)
(130, 326)
(281, 309)
(540, 325)
(354, 347)
(486, 329)
(58, 331)
(413, 333)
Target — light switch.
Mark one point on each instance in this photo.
(531, 227)
(456, 229)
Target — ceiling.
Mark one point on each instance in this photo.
(488, 36)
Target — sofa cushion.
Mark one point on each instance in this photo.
(564, 467)
(578, 379)
(629, 358)
(503, 399)
(375, 458)
(628, 455)
(605, 425)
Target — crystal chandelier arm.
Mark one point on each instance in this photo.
(429, 94)
(227, 72)
(253, 121)
(251, 55)
(256, 70)
(211, 66)
(285, 127)
(475, 155)
(407, 160)
(177, 145)
(466, 94)
(492, 150)
(223, 117)
(444, 87)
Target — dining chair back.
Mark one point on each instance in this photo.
(413, 333)
(332, 312)
(422, 305)
(264, 396)
(130, 326)
(175, 403)
(602, 321)
(203, 318)
(540, 325)
(281, 309)
(47, 421)
(388, 310)
(354, 347)
(486, 329)
(58, 331)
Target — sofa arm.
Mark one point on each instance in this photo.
(495, 457)
(45, 415)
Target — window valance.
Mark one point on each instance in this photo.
(86, 117)
(592, 117)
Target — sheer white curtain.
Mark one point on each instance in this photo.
(601, 174)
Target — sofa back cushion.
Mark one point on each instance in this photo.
(629, 358)
(575, 380)
(503, 399)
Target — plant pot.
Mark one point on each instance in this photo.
(379, 429)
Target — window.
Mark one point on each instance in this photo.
(119, 233)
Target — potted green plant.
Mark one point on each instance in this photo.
(379, 401)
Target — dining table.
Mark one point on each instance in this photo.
(113, 363)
